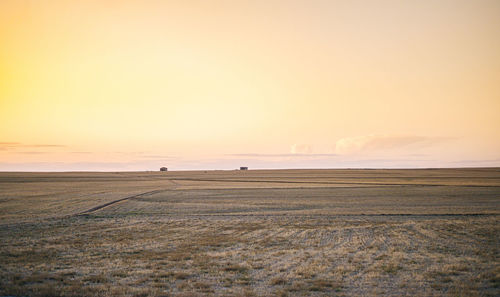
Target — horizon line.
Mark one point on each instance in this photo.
(254, 169)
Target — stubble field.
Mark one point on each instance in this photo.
(431, 232)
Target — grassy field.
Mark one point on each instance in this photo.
(431, 232)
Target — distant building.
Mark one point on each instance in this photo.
(163, 169)
(243, 168)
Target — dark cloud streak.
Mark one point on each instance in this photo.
(282, 155)
(18, 145)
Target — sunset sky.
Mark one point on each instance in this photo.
(135, 85)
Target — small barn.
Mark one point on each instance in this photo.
(243, 168)
(163, 169)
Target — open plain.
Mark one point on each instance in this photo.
(425, 232)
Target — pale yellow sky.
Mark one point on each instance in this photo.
(134, 85)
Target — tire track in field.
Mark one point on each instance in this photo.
(96, 208)
(101, 206)
(331, 182)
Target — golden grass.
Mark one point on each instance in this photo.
(251, 238)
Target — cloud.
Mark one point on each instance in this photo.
(281, 155)
(297, 151)
(32, 153)
(17, 145)
(301, 149)
(479, 162)
(251, 162)
(375, 142)
(7, 145)
(136, 165)
(44, 145)
(158, 157)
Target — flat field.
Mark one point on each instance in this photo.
(429, 232)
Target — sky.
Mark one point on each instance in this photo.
(135, 85)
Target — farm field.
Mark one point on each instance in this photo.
(349, 232)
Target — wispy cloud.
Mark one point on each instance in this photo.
(296, 151)
(32, 153)
(18, 145)
(8, 145)
(301, 149)
(479, 162)
(383, 142)
(44, 145)
(157, 157)
(282, 155)
(252, 162)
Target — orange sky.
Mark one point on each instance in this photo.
(135, 85)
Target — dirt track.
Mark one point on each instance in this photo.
(93, 209)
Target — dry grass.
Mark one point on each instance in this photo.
(247, 237)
